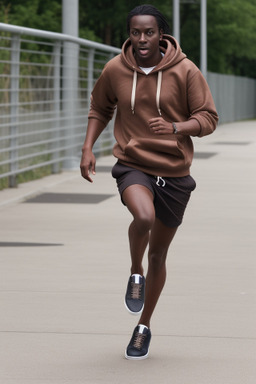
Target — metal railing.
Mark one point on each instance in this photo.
(45, 85)
(234, 96)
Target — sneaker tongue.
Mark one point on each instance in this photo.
(136, 278)
(142, 328)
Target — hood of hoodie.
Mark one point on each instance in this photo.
(172, 54)
(168, 46)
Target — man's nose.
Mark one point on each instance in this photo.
(143, 37)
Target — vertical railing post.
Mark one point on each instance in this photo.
(90, 75)
(56, 96)
(203, 43)
(70, 13)
(14, 110)
(70, 97)
(176, 20)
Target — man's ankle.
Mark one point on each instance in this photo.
(137, 271)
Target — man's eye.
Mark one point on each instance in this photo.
(134, 33)
(150, 33)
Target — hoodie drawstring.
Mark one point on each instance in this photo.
(134, 84)
(159, 180)
(158, 91)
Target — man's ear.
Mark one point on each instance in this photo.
(161, 34)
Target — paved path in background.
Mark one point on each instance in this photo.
(65, 265)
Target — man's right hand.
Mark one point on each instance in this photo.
(87, 164)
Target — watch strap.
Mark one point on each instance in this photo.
(175, 129)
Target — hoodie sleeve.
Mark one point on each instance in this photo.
(103, 100)
(201, 104)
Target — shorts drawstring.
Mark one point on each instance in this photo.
(159, 178)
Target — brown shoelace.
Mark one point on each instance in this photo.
(136, 291)
(139, 340)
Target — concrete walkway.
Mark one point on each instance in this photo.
(65, 265)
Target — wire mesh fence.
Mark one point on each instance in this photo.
(45, 85)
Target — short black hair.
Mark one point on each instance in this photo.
(147, 9)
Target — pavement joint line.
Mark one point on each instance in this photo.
(125, 334)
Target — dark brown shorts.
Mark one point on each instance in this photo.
(171, 194)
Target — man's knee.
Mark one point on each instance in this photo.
(144, 221)
(157, 258)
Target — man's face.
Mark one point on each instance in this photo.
(145, 37)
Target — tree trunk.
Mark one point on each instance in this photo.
(107, 37)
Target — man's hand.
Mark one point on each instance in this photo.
(87, 164)
(160, 127)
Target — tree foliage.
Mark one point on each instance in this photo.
(39, 14)
(232, 37)
(231, 26)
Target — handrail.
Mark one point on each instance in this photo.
(14, 29)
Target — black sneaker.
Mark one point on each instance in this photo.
(139, 344)
(134, 298)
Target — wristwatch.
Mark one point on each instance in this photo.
(175, 129)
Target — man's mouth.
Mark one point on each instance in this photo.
(143, 51)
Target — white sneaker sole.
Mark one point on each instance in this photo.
(136, 358)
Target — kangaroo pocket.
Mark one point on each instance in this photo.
(155, 152)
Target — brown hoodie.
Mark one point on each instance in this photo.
(175, 89)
